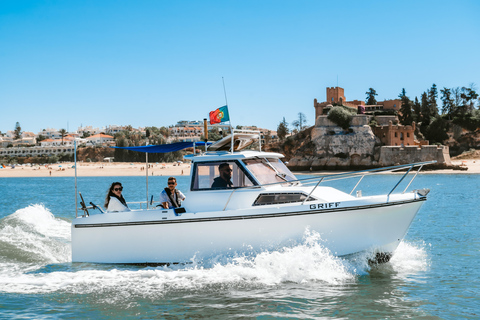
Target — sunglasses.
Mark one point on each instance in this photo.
(171, 183)
(118, 189)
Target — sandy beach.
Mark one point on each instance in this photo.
(97, 169)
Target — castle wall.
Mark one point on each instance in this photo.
(396, 135)
(394, 155)
(358, 147)
(394, 104)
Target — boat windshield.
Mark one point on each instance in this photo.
(269, 170)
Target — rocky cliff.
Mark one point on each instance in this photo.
(328, 147)
(335, 148)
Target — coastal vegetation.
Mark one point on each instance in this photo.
(454, 122)
(341, 116)
(449, 116)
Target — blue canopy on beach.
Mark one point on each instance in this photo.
(164, 148)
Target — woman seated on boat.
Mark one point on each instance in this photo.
(114, 202)
(224, 180)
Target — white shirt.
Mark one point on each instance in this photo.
(116, 206)
(165, 198)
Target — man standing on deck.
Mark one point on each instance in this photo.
(171, 197)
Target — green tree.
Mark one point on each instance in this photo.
(18, 131)
(41, 138)
(432, 98)
(282, 129)
(164, 132)
(120, 154)
(341, 116)
(63, 133)
(469, 97)
(425, 110)
(417, 107)
(371, 93)
(403, 93)
(436, 132)
(213, 135)
(300, 123)
(406, 115)
(447, 102)
(457, 97)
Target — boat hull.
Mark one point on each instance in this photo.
(157, 236)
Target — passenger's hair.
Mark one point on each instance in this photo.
(172, 178)
(111, 194)
(223, 165)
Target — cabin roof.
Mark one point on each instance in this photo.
(224, 155)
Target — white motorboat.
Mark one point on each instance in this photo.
(266, 207)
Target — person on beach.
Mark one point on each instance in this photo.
(114, 202)
(171, 197)
(224, 180)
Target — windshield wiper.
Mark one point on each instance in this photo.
(277, 174)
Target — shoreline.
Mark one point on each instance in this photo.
(122, 169)
(97, 169)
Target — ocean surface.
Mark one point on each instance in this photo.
(434, 274)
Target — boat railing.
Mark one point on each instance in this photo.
(148, 206)
(346, 175)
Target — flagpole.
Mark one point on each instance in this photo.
(225, 92)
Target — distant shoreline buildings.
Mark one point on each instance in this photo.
(49, 141)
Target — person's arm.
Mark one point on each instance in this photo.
(182, 196)
(164, 198)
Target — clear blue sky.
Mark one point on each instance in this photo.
(153, 63)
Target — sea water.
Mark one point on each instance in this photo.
(434, 273)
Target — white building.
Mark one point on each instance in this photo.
(88, 129)
(5, 141)
(50, 133)
(35, 151)
(101, 139)
(112, 129)
(57, 142)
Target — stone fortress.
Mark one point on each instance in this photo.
(363, 146)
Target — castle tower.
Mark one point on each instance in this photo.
(335, 95)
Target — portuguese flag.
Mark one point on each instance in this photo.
(219, 115)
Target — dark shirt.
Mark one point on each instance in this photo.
(219, 183)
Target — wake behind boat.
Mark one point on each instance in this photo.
(264, 206)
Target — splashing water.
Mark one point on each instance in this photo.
(33, 234)
(39, 242)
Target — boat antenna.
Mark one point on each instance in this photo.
(75, 161)
(146, 166)
(224, 92)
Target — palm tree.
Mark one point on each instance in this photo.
(63, 133)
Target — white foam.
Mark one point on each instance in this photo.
(37, 235)
(304, 263)
(410, 259)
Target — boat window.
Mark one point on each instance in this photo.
(269, 170)
(206, 173)
(277, 198)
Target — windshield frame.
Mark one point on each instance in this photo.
(271, 167)
(239, 165)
